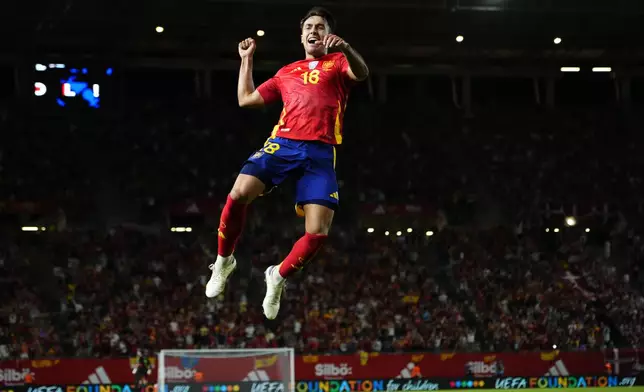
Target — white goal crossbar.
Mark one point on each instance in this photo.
(178, 362)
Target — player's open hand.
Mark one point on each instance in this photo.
(247, 48)
(332, 41)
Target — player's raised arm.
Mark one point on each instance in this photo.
(247, 95)
(358, 69)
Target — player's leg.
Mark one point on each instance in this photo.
(318, 219)
(318, 223)
(266, 168)
(246, 189)
(317, 199)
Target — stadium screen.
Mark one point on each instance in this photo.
(71, 86)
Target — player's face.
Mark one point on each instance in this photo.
(314, 30)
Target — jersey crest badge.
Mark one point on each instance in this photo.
(313, 64)
(327, 65)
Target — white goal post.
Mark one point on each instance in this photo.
(226, 370)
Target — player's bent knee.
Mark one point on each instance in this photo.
(246, 189)
(237, 195)
(318, 219)
(318, 227)
(242, 196)
(323, 231)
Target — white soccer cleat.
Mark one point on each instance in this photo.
(221, 270)
(274, 288)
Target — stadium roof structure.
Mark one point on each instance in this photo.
(404, 34)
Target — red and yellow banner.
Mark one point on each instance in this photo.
(307, 367)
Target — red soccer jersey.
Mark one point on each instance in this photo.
(314, 93)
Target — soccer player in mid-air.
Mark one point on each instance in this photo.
(302, 145)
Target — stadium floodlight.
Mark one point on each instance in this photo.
(399, 233)
(386, 233)
(409, 230)
(41, 67)
(159, 29)
(571, 221)
(29, 228)
(260, 33)
(557, 40)
(602, 69)
(587, 230)
(239, 369)
(547, 230)
(570, 69)
(556, 230)
(429, 233)
(460, 38)
(370, 230)
(181, 229)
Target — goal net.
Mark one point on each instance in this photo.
(229, 370)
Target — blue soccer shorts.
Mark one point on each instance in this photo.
(310, 163)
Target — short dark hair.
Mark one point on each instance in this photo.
(321, 12)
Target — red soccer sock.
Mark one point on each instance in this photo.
(303, 251)
(230, 226)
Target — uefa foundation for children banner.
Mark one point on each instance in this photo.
(373, 385)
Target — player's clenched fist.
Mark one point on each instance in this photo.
(333, 41)
(247, 47)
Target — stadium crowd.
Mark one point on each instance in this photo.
(490, 278)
